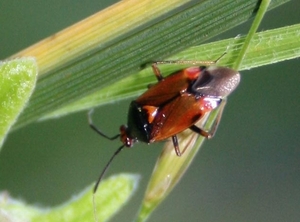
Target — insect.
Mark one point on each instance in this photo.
(175, 103)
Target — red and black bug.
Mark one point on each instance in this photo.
(173, 104)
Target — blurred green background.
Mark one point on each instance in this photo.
(250, 171)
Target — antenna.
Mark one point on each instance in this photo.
(106, 167)
(100, 178)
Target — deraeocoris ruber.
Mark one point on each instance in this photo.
(172, 105)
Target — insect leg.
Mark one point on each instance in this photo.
(209, 134)
(176, 146)
(200, 131)
(218, 59)
(157, 72)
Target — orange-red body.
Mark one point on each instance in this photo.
(176, 103)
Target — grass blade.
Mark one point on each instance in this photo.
(266, 48)
(102, 50)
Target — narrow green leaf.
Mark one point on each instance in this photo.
(266, 47)
(263, 7)
(113, 193)
(17, 81)
(121, 45)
